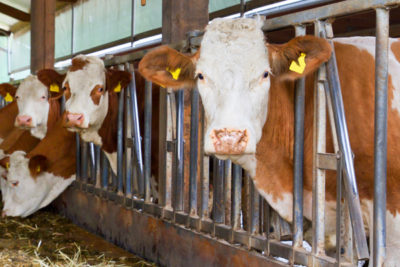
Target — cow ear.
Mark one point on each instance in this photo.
(5, 163)
(117, 80)
(7, 91)
(37, 165)
(53, 81)
(299, 57)
(169, 68)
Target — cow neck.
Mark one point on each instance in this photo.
(109, 127)
(7, 118)
(54, 113)
(19, 139)
(59, 148)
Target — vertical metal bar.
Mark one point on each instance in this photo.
(120, 142)
(97, 166)
(338, 210)
(298, 156)
(242, 7)
(92, 165)
(204, 172)
(147, 139)
(84, 162)
(319, 144)
(344, 144)
(178, 194)
(380, 144)
(78, 157)
(133, 2)
(218, 193)
(194, 144)
(127, 137)
(228, 191)
(136, 134)
(236, 196)
(255, 210)
(104, 171)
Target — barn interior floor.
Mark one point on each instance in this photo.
(48, 239)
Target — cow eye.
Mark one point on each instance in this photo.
(265, 75)
(64, 88)
(100, 90)
(201, 77)
(16, 97)
(43, 97)
(15, 183)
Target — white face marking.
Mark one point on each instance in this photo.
(81, 83)
(32, 100)
(234, 91)
(26, 195)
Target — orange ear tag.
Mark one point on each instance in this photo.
(117, 88)
(54, 88)
(8, 98)
(299, 67)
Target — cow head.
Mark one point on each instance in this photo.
(88, 88)
(34, 98)
(233, 70)
(7, 91)
(29, 187)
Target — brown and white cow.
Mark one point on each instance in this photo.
(246, 87)
(91, 94)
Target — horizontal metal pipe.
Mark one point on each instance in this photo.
(291, 7)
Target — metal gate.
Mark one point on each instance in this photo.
(239, 217)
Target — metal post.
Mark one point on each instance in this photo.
(194, 138)
(78, 157)
(204, 172)
(178, 186)
(236, 196)
(218, 193)
(298, 156)
(120, 142)
(84, 162)
(255, 210)
(344, 145)
(380, 144)
(147, 139)
(104, 171)
(97, 166)
(92, 165)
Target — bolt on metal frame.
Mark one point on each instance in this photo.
(246, 219)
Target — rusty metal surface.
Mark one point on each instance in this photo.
(152, 238)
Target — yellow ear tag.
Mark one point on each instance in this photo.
(38, 169)
(299, 67)
(8, 98)
(175, 73)
(117, 88)
(7, 165)
(54, 88)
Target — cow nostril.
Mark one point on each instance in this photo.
(80, 118)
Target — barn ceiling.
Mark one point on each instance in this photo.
(13, 13)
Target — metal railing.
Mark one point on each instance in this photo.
(238, 214)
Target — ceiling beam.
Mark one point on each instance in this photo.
(69, 1)
(15, 13)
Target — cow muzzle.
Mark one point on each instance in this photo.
(73, 120)
(23, 121)
(229, 141)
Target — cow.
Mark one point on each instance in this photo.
(91, 94)
(246, 86)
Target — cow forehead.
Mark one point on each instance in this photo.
(236, 46)
(91, 74)
(31, 87)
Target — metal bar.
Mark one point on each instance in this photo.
(338, 210)
(380, 143)
(218, 193)
(147, 139)
(255, 210)
(236, 196)
(179, 182)
(344, 145)
(291, 7)
(136, 133)
(194, 144)
(97, 166)
(104, 170)
(78, 157)
(298, 157)
(92, 154)
(228, 191)
(128, 149)
(319, 144)
(84, 162)
(204, 171)
(329, 11)
(120, 142)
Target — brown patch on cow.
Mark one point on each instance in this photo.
(37, 165)
(117, 77)
(54, 113)
(317, 51)
(49, 77)
(67, 91)
(78, 64)
(396, 49)
(59, 148)
(5, 162)
(7, 118)
(7, 88)
(19, 140)
(157, 64)
(96, 93)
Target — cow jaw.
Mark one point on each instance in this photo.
(234, 87)
(32, 99)
(81, 83)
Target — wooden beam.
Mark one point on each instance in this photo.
(13, 12)
(69, 1)
(42, 34)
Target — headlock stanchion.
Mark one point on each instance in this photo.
(219, 199)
